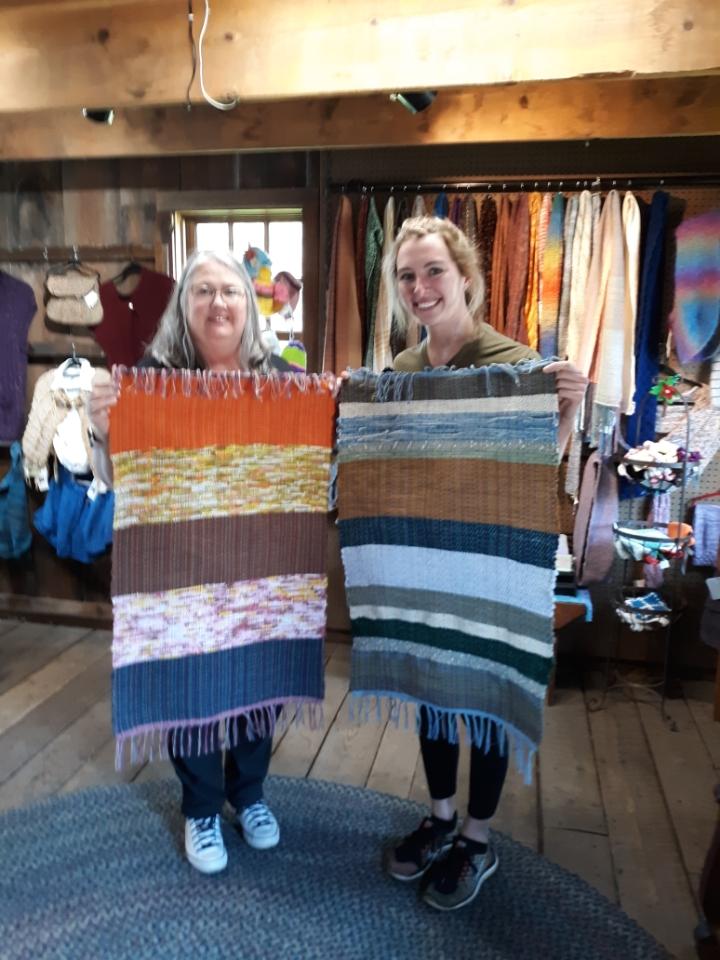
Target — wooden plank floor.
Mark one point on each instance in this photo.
(620, 796)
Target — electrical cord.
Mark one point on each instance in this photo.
(193, 54)
(218, 104)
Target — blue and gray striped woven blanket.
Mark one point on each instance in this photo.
(448, 516)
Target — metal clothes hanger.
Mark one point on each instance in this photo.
(73, 263)
(72, 365)
(129, 270)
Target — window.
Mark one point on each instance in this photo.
(284, 221)
(276, 230)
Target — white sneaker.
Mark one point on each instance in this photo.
(204, 844)
(259, 826)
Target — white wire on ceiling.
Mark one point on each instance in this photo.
(218, 104)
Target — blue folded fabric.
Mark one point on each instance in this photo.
(78, 527)
(15, 533)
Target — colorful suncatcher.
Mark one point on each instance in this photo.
(218, 582)
(448, 515)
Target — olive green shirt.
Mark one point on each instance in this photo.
(488, 347)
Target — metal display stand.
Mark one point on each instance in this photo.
(674, 546)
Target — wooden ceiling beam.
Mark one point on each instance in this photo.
(565, 110)
(131, 53)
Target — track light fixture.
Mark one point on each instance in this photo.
(415, 102)
(103, 116)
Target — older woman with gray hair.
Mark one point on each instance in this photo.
(212, 323)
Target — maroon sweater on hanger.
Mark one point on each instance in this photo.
(130, 320)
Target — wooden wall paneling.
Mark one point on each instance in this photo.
(91, 203)
(312, 290)
(6, 193)
(279, 169)
(137, 52)
(139, 181)
(33, 205)
(210, 172)
(579, 109)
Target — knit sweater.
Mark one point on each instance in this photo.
(49, 408)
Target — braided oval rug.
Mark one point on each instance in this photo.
(100, 875)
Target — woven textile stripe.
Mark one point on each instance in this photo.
(192, 483)
(448, 515)
(219, 583)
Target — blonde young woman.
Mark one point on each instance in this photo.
(211, 323)
(433, 275)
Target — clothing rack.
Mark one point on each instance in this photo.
(567, 184)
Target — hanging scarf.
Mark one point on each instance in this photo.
(518, 251)
(498, 304)
(219, 575)
(468, 220)
(382, 355)
(543, 227)
(448, 521)
(343, 330)
(487, 222)
(373, 262)
(403, 211)
(455, 208)
(581, 254)
(363, 211)
(602, 351)
(441, 206)
(530, 306)
(571, 213)
(418, 207)
(631, 239)
(695, 319)
(641, 425)
(552, 269)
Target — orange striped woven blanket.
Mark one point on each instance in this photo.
(218, 583)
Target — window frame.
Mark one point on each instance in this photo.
(173, 208)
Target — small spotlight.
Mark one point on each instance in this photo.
(415, 102)
(105, 116)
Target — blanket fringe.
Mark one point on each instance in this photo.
(479, 727)
(184, 740)
(206, 383)
(394, 385)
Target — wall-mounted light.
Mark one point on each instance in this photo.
(415, 102)
(104, 116)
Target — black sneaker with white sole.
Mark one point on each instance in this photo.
(456, 879)
(413, 856)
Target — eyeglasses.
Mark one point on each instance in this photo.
(205, 293)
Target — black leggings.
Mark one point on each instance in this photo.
(487, 770)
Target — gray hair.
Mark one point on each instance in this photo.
(172, 345)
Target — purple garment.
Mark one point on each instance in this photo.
(17, 308)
